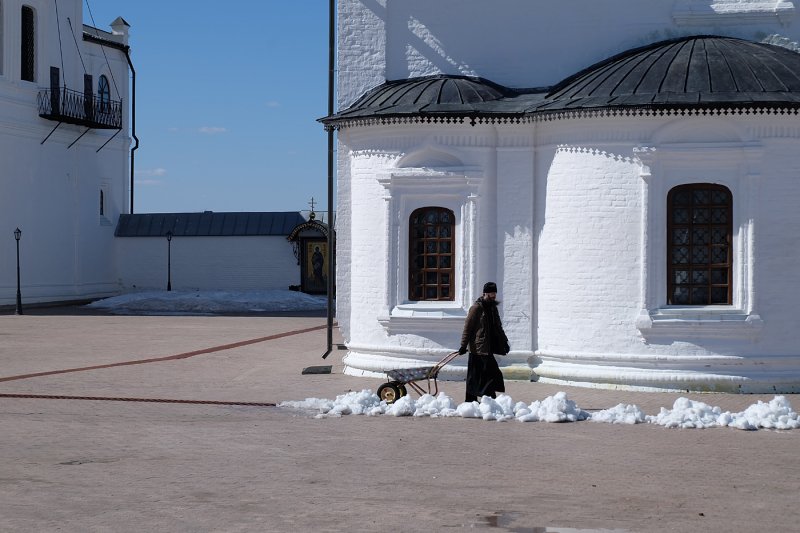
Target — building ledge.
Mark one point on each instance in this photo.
(702, 322)
(423, 316)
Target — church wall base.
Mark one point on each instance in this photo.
(737, 375)
(747, 379)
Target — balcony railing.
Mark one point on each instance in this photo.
(73, 107)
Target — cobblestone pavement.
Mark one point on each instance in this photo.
(119, 464)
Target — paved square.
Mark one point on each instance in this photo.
(124, 466)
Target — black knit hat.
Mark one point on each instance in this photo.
(490, 287)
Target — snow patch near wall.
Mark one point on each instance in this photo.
(685, 413)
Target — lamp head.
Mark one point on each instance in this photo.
(169, 236)
(17, 233)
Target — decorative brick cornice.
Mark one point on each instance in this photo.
(552, 116)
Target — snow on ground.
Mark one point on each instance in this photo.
(685, 413)
(210, 302)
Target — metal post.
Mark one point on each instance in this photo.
(331, 218)
(17, 236)
(169, 260)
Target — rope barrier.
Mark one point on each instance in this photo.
(151, 400)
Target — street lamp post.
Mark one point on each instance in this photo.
(17, 236)
(169, 260)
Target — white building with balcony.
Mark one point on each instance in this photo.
(65, 146)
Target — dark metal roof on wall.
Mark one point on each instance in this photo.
(93, 35)
(689, 72)
(208, 224)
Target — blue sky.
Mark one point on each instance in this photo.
(227, 101)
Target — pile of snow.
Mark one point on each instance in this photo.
(777, 414)
(557, 408)
(620, 414)
(685, 413)
(210, 302)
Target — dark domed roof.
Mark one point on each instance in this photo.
(429, 94)
(700, 72)
(691, 70)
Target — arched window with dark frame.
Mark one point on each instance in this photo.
(431, 269)
(699, 258)
(103, 94)
(28, 45)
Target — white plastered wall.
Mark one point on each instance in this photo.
(207, 263)
(574, 232)
(602, 254)
(445, 166)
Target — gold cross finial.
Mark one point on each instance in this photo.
(312, 215)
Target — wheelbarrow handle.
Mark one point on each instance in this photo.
(447, 359)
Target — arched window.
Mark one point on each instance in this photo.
(699, 258)
(431, 257)
(103, 94)
(28, 45)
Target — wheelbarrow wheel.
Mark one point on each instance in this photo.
(389, 392)
(403, 391)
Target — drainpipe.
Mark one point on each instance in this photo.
(133, 115)
(331, 240)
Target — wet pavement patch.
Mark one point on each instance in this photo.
(322, 369)
(85, 461)
(511, 521)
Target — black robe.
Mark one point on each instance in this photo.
(483, 373)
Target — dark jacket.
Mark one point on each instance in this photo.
(483, 332)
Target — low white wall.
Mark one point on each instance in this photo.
(220, 263)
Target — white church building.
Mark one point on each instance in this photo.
(627, 172)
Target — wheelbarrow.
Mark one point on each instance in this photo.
(395, 387)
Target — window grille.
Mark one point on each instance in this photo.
(431, 254)
(699, 263)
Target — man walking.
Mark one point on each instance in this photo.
(484, 337)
